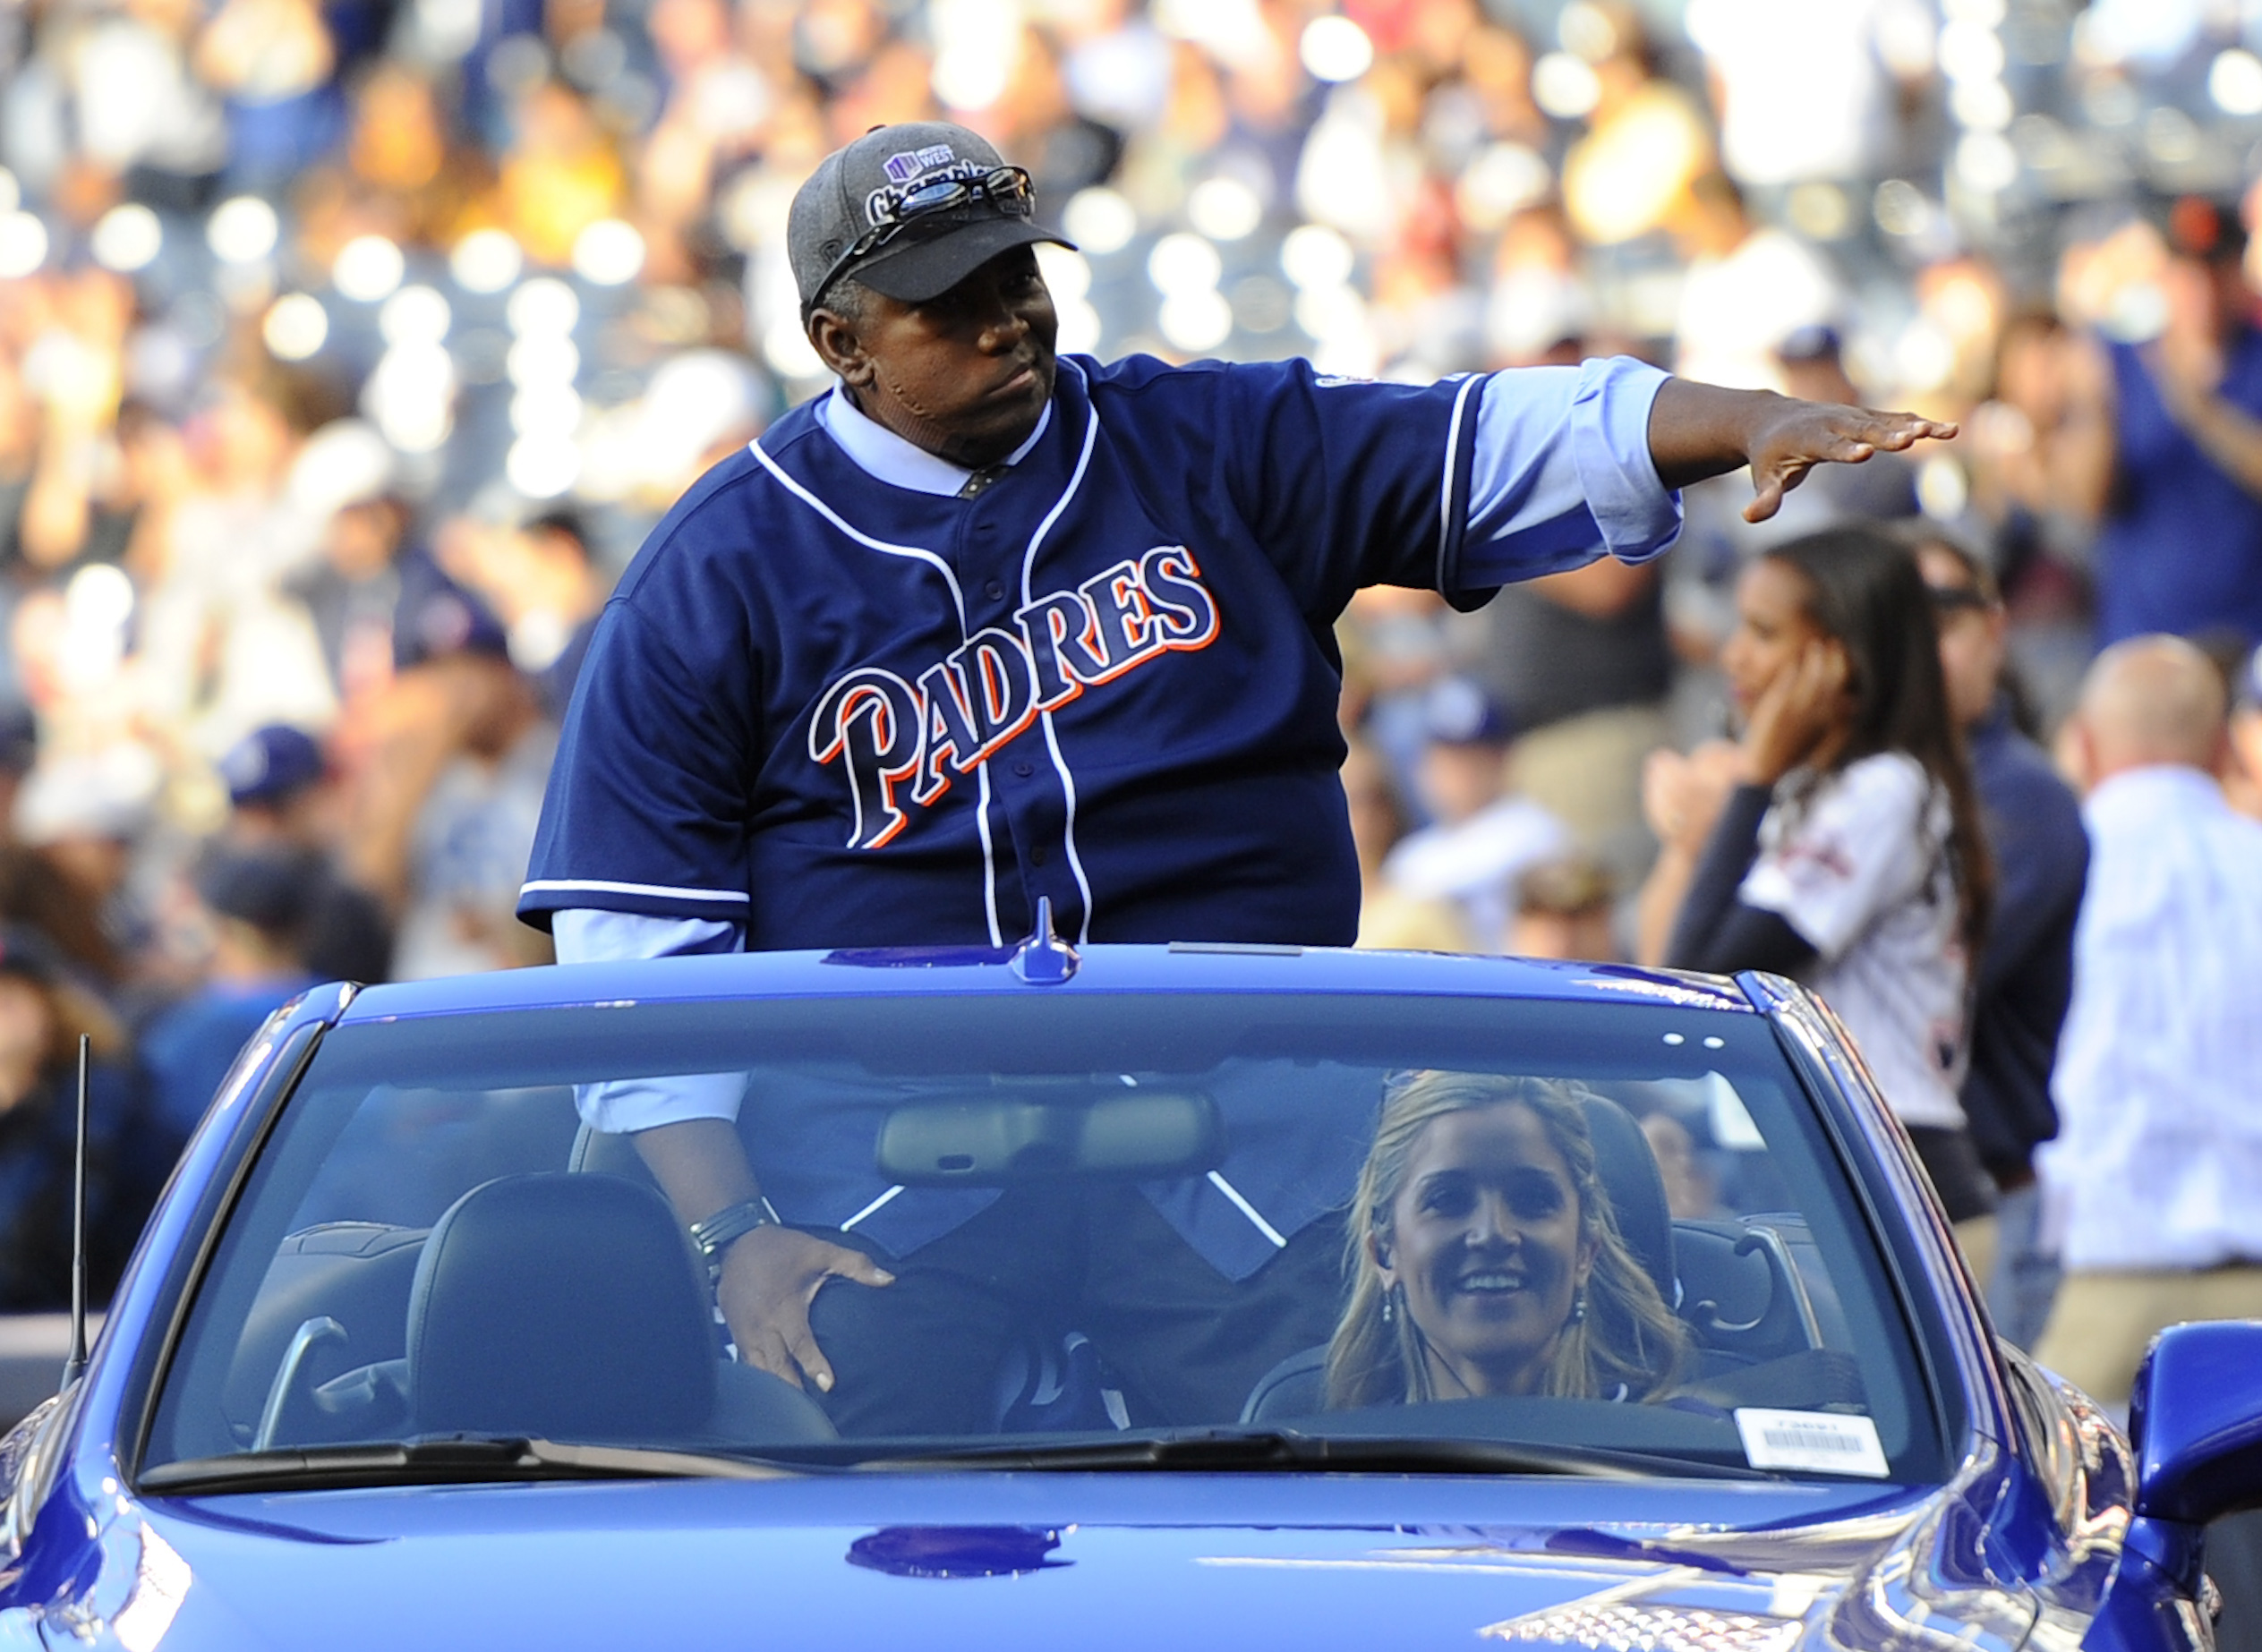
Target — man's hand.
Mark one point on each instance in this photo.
(769, 1278)
(1802, 435)
(1699, 430)
(770, 1275)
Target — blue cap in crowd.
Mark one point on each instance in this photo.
(1458, 713)
(270, 764)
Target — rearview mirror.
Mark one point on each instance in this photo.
(2196, 1420)
(994, 1141)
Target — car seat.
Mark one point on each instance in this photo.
(562, 1305)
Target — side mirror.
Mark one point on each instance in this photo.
(2196, 1420)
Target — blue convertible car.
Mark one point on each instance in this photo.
(1225, 1296)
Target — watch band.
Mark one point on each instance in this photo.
(717, 1233)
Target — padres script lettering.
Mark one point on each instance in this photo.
(885, 731)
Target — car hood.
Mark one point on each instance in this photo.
(972, 1560)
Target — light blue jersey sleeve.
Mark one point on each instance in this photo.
(585, 936)
(1562, 472)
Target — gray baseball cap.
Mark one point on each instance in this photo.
(937, 181)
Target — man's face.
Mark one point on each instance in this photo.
(966, 375)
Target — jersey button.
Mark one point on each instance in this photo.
(1037, 855)
(1024, 768)
(994, 592)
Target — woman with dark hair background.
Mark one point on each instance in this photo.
(1849, 851)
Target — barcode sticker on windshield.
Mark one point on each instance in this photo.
(1818, 1440)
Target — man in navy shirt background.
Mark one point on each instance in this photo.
(985, 625)
(2025, 979)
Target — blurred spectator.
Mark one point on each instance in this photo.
(1806, 92)
(1813, 363)
(1692, 1192)
(2154, 1172)
(542, 584)
(353, 595)
(560, 175)
(282, 803)
(2026, 970)
(1483, 837)
(1396, 645)
(447, 805)
(1579, 665)
(273, 60)
(1564, 909)
(79, 817)
(1749, 286)
(1647, 139)
(2242, 782)
(1389, 917)
(41, 1016)
(1849, 854)
(2034, 450)
(259, 904)
(2180, 547)
(225, 650)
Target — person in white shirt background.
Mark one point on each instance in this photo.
(2152, 1182)
(1483, 835)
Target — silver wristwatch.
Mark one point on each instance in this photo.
(717, 1233)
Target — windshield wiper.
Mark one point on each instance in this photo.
(457, 1460)
(1227, 1451)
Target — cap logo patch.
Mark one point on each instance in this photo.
(902, 167)
(886, 203)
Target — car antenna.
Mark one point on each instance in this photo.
(76, 1365)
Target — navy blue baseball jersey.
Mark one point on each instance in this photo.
(828, 710)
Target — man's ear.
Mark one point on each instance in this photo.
(833, 336)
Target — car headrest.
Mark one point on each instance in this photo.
(561, 1305)
(1629, 1173)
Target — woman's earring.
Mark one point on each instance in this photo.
(1388, 1312)
(1578, 1307)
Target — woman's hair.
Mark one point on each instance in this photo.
(1865, 592)
(1628, 1337)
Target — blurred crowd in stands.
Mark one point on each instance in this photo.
(348, 348)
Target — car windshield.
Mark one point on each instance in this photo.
(1092, 1228)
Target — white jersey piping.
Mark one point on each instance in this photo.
(869, 1209)
(1051, 739)
(1452, 459)
(601, 886)
(1256, 1218)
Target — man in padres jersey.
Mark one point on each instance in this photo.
(987, 624)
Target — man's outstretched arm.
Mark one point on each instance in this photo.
(1698, 430)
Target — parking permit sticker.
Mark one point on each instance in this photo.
(1816, 1440)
